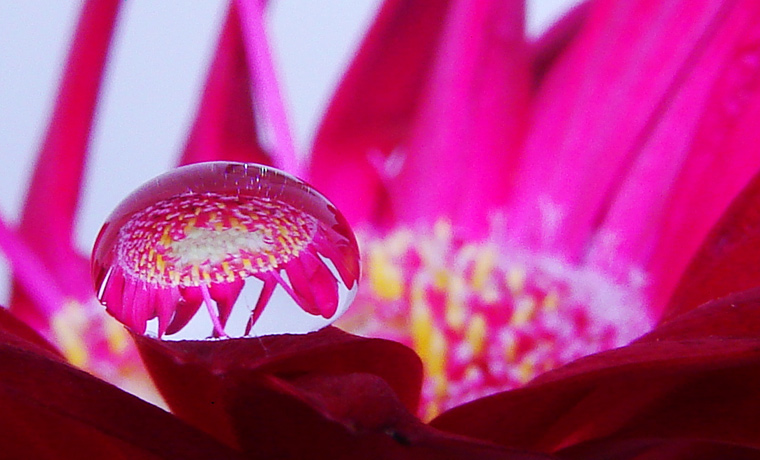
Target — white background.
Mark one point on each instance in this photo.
(158, 63)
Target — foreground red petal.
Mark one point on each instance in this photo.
(693, 378)
(54, 411)
(659, 449)
(728, 259)
(224, 127)
(322, 395)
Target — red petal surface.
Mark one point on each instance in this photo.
(224, 127)
(692, 378)
(323, 395)
(728, 260)
(371, 112)
(659, 449)
(54, 411)
(17, 334)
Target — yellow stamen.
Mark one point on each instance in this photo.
(385, 279)
(476, 333)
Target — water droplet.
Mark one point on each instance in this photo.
(225, 250)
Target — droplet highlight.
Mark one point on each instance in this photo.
(218, 250)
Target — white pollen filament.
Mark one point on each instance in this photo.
(203, 245)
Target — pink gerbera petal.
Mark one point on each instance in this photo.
(224, 127)
(314, 286)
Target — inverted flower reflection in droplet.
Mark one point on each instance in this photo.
(225, 236)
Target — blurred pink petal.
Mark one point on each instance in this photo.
(224, 127)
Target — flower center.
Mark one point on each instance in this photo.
(484, 319)
(203, 238)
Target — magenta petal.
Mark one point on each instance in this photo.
(166, 300)
(552, 44)
(701, 151)
(315, 287)
(266, 293)
(50, 210)
(655, 62)
(343, 254)
(461, 152)
(190, 301)
(225, 127)
(371, 112)
(225, 295)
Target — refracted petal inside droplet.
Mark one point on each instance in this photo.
(225, 250)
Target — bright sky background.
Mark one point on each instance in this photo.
(158, 63)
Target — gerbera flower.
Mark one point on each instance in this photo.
(446, 274)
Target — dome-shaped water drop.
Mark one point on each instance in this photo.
(225, 250)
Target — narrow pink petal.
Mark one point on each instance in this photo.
(342, 254)
(224, 127)
(225, 295)
(372, 110)
(549, 47)
(266, 88)
(31, 274)
(620, 85)
(190, 301)
(461, 154)
(48, 216)
(696, 159)
(266, 293)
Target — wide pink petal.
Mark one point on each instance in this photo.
(696, 160)
(224, 127)
(373, 108)
(460, 157)
(615, 118)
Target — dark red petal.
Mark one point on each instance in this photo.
(225, 127)
(54, 411)
(691, 378)
(659, 449)
(728, 260)
(373, 108)
(191, 375)
(16, 333)
(322, 395)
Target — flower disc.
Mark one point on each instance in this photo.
(234, 237)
